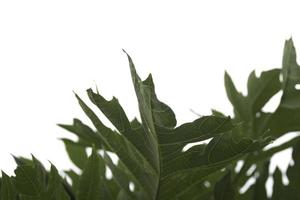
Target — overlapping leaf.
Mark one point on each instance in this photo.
(152, 162)
(151, 152)
(248, 110)
(33, 182)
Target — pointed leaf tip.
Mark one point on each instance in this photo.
(128, 56)
(227, 76)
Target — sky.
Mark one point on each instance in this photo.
(48, 49)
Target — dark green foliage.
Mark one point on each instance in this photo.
(224, 189)
(32, 181)
(8, 190)
(151, 163)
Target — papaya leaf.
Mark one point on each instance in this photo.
(76, 153)
(223, 189)
(156, 159)
(150, 152)
(257, 123)
(7, 190)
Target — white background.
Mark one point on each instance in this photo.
(49, 48)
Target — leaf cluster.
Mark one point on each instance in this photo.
(152, 162)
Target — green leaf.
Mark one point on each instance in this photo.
(291, 191)
(255, 122)
(278, 192)
(224, 189)
(84, 132)
(160, 160)
(285, 118)
(90, 182)
(120, 176)
(113, 110)
(75, 179)
(248, 108)
(115, 113)
(151, 152)
(139, 168)
(201, 129)
(55, 189)
(8, 190)
(22, 161)
(28, 180)
(76, 153)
